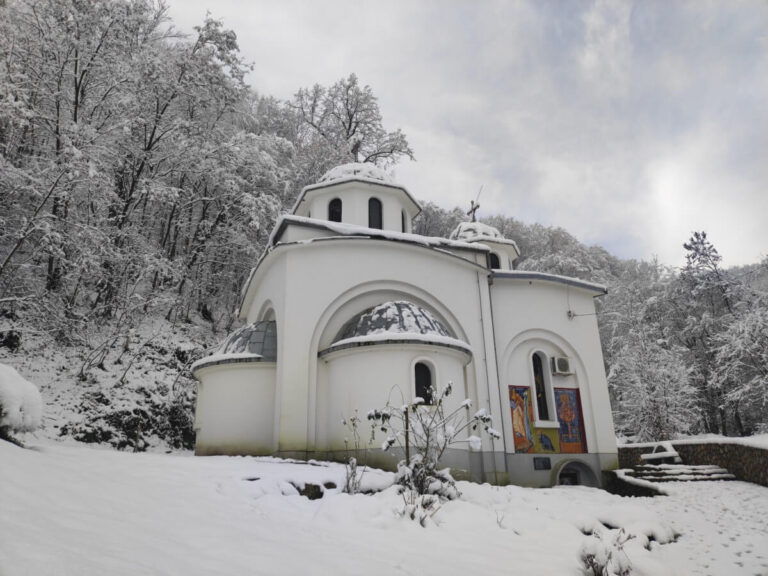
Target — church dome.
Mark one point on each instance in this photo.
(398, 317)
(475, 231)
(356, 170)
(257, 338)
(503, 253)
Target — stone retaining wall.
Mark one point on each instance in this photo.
(747, 463)
(629, 456)
(616, 485)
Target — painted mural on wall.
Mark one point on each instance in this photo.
(568, 439)
(569, 415)
(528, 438)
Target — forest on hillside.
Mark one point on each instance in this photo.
(140, 177)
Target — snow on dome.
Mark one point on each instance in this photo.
(257, 339)
(468, 231)
(399, 317)
(366, 171)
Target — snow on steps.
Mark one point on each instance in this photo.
(663, 453)
(679, 473)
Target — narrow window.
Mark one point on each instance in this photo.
(374, 213)
(402, 221)
(424, 386)
(541, 388)
(334, 210)
(493, 261)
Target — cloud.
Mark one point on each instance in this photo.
(605, 57)
(685, 197)
(630, 124)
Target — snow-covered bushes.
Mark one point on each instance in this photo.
(604, 554)
(424, 432)
(353, 476)
(136, 419)
(21, 407)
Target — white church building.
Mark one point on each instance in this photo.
(348, 309)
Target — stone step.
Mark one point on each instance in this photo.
(687, 478)
(680, 473)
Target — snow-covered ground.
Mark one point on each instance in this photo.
(72, 510)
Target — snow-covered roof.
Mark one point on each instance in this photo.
(471, 230)
(342, 229)
(255, 338)
(357, 170)
(399, 338)
(397, 317)
(231, 358)
(256, 342)
(543, 276)
(479, 232)
(396, 322)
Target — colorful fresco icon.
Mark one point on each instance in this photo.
(569, 415)
(528, 438)
(521, 419)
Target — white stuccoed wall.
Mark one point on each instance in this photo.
(318, 301)
(533, 314)
(367, 377)
(354, 198)
(235, 408)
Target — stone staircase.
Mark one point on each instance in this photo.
(663, 464)
(678, 473)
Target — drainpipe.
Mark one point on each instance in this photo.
(498, 373)
(485, 360)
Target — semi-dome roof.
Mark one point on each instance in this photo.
(256, 338)
(365, 171)
(399, 317)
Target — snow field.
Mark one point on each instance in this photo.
(81, 511)
(723, 526)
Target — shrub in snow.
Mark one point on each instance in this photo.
(10, 339)
(424, 432)
(353, 475)
(604, 554)
(21, 407)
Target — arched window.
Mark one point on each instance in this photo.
(424, 384)
(493, 261)
(334, 210)
(374, 213)
(541, 384)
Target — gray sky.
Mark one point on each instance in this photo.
(629, 124)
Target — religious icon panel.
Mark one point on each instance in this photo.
(569, 415)
(527, 437)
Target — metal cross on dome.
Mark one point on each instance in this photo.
(471, 212)
(474, 205)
